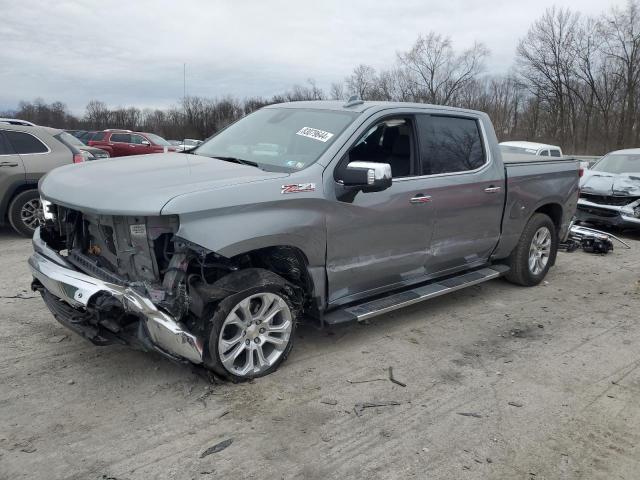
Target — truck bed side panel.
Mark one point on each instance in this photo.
(534, 185)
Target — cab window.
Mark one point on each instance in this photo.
(389, 141)
(449, 144)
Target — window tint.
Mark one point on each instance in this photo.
(96, 137)
(449, 144)
(24, 144)
(121, 137)
(544, 153)
(387, 142)
(555, 153)
(5, 148)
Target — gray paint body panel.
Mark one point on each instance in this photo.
(375, 243)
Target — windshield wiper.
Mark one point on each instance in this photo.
(241, 161)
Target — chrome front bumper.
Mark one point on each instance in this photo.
(77, 289)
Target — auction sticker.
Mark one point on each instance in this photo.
(314, 133)
(138, 230)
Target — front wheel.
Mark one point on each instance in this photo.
(535, 252)
(251, 332)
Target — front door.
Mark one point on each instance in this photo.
(379, 240)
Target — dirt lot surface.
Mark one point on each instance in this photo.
(502, 382)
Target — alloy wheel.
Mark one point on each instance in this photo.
(255, 334)
(31, 213)
(540, 250)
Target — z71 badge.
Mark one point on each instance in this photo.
(299, 188)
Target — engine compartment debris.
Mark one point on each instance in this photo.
(590, 240)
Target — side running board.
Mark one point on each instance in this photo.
(405, 298)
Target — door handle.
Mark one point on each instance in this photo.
(420, 198)
(8, 164)
(492, 189)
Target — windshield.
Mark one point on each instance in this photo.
(279, 139)
(158, 140)
(521, 150)
(618, 164)
(70, 140)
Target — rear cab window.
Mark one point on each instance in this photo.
(25, 143)
(450, 144)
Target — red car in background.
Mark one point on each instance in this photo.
(120, 143)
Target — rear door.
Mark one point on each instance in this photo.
(377, 241)
(39, 152)
(11, 170)
(121, 144)
(466, 187)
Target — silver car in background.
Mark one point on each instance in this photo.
(610, 191)
(27, 152)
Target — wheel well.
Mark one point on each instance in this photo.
(289, 262)
(554, 212)
(23, 187)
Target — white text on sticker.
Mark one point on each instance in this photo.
(314, 133)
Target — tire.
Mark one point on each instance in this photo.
(231, 334)
(539, 239)
(25, 212)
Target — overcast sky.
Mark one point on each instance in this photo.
(132, 52)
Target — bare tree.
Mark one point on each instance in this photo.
(437, 72)
(362, 81)
(545, 60)
(622, 44)
(97, 115)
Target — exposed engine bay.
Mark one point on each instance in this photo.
(145, 254)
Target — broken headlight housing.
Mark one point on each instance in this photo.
(48, 211)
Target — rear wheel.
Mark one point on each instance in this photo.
(535, 252)
(25, 212)
(251, 332)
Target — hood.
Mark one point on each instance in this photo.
(611, 184)
(142, 184)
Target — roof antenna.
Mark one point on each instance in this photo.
(353, 101)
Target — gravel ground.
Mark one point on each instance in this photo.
(502, 382)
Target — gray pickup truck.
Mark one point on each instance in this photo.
(319, 210)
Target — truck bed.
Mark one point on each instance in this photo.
(530, 179)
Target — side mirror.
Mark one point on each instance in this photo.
(366, 176)
(145, 142)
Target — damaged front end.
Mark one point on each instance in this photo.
(610, 199)
(125, 279)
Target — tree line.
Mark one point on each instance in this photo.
(575, 82)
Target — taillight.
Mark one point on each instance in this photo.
(580, 172)
(78, 158)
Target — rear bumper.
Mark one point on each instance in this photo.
(619, 216)
(77, 290)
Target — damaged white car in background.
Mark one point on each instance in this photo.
(610, 191)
